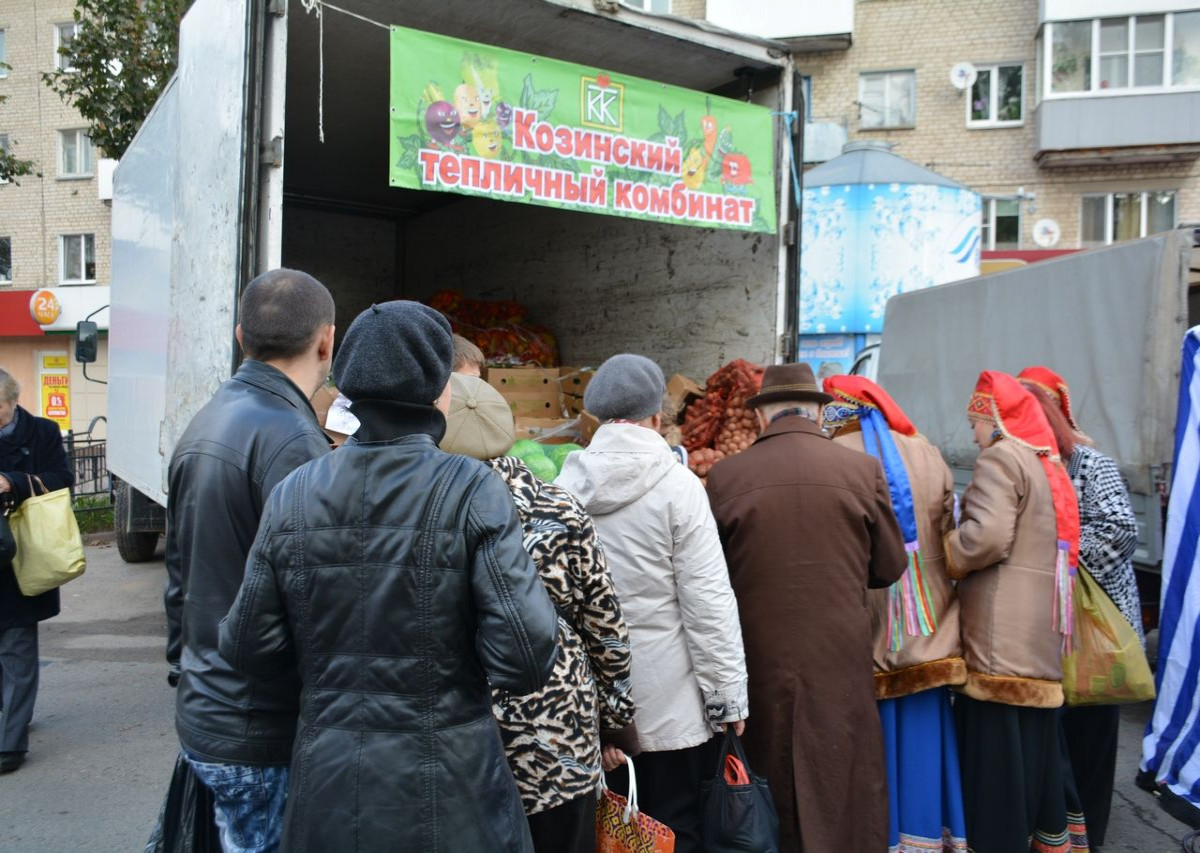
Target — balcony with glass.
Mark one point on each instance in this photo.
(1121, 89)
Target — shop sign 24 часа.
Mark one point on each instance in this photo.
(479, 120)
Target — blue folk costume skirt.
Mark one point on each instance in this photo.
(925, 805)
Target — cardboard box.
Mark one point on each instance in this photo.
(578, 430)
(574, 381)
(548, 430)
(535, 406)
(531, 392)
(680, 392)
(521, 380)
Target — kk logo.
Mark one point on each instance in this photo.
(602, 103)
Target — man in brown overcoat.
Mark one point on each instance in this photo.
(807, 528)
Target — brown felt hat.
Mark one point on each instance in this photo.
(782, 382)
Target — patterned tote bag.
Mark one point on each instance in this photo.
(621, 828)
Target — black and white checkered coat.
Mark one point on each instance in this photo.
(1108, 529)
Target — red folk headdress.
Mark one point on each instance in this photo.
(1055, 386)
(853, 392)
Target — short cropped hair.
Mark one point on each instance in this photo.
(807, 408)
(281, 313)
(466, 353)
(10, 388)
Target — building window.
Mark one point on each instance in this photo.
(5, 260)
(1185, 49)
(74, 154)
(1109, 217)
(77, 260)
(659, 7)
(1001, 223)
(5, 147)
(887, 99)
(997, 97)
(3, 54)
(1118, 54)
(64, 34)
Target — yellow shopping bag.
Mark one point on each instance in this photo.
(1108, 665)
(49, 548)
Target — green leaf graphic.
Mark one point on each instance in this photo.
(665, 123)
(680, 132)
(410, 146)
(541, 101)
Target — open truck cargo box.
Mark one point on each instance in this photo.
(1110, 321)
(693, 298)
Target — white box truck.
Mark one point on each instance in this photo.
(227, 178)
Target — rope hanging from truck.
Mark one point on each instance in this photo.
(318, 7)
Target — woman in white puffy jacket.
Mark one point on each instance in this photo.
(655, 525)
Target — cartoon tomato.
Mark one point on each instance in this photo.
(693, 167)
(466, 99)
(441, 120)
(735, 169)
(486, 139)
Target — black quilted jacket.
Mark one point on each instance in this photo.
(394, 576)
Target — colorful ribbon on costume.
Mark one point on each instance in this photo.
(1066, 558)
(1064, 596)
(910, 601)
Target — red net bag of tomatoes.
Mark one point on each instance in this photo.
(499, 328)
(721, 424)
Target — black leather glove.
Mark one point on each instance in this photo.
(173, 675)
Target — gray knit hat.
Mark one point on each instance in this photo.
(626, 387)
(399, 351)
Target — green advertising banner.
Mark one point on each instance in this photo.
(479, 120)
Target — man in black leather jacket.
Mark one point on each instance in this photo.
(393, 574)
(237, 730)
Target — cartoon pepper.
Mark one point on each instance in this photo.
(466, 100)
(708, 126)
(693, 167)
(486, 139)
(481, 73)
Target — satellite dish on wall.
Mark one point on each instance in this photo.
(1046, 233)
(963, 76)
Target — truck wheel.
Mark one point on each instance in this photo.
(134, 546)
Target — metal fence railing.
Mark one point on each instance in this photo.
(88, 458)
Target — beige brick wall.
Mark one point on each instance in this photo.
(929, 36)
(37, 212)
(689, 8)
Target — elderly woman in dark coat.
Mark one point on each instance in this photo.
(29, 447)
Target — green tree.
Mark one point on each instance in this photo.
(122, 55)
(11, 166)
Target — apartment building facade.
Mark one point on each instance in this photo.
(54, 224)
(1078, 122)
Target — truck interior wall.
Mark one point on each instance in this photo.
(353, 255)
(691, 298)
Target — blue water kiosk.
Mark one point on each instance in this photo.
(875, 225)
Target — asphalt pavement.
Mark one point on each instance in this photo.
(103, 744)
(103, 741)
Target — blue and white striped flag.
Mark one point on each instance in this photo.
(1169, 749)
